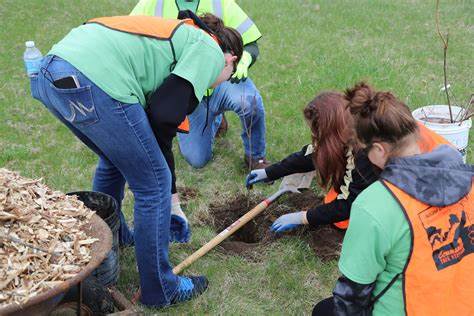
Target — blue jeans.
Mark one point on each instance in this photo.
(242, 98)
(121, 136)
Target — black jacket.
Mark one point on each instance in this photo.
(363, 175)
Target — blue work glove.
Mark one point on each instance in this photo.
(256, 176)
(289, 222)
(179, 228)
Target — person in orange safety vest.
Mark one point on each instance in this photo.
(123, 85)
(409, 246)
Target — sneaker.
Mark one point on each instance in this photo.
(189, 287)
(222, 130)
(253, 163)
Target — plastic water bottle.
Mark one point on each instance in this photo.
(32, 58)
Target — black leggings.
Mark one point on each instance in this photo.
(324, 308)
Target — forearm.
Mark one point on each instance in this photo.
(167, 108)
(333, 212)
(164, 136)
(295, 163)
(351, 298)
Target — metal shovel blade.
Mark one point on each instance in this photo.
(294, 182)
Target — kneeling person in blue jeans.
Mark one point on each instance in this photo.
(238, 95)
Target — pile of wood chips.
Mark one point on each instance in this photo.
(41, 241)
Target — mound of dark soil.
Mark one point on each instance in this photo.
(247, 240)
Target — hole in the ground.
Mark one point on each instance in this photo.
(324, 240)
(258, 229)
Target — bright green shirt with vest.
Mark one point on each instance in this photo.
(230, 13)
(376, 246)
(129, 67)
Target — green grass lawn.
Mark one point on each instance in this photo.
(307, 46)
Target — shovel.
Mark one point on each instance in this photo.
(291, 183)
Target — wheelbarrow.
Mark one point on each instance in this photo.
(45, 302)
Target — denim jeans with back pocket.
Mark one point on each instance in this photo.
(121, 136)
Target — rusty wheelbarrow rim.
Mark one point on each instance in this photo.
(95, 228)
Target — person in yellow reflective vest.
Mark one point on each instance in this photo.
(238, 95)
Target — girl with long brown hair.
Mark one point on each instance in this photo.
(409, 247)
(335, 156)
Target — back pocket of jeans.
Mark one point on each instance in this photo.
(75, 105)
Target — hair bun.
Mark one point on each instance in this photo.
(367, 108)
(361, 98)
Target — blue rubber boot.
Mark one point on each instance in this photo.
(189, 288)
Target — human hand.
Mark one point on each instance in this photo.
(255, 176)
(179, 228)
(288, 222)
(241, 72)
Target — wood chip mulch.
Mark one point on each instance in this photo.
(41, 241)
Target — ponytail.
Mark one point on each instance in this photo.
(230, 40)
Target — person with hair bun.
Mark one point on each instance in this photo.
(409, 248)
(101, 80)
(342, 166)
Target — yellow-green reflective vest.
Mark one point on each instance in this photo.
(232, 15)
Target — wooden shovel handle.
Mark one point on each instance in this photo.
(222, 235)
(216, 240)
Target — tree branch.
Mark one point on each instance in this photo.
(445, 63)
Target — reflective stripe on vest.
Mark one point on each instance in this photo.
(245, 26)
(438, 275)
(169, 9)
(159, 8)
(217, 8)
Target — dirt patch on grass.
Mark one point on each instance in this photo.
(249, 239)
(326, 242)
(186, 194)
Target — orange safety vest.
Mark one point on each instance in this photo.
(153, 27)
(438, 278)
(428, 141)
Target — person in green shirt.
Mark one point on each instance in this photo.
(239, 95)
(378, 241)
(123, 86)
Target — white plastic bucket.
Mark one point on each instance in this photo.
(456, 133)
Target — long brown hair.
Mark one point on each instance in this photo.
(379, 115)
(331, 127)
(230, 40)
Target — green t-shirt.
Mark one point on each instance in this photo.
(376, 246)
(130, 67)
